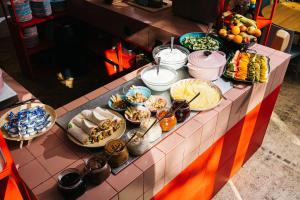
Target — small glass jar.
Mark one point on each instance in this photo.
(117, 151)
(169, 121)
(155, 132)
(182, 113)
(139, 144)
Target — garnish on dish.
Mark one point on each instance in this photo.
(118, 102)
(137, 95)
(155, 103)
(137, 98)
(137, 114)
(202, 43)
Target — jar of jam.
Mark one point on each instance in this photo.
(183, 112)
(169, 121)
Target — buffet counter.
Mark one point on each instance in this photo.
(194, 161)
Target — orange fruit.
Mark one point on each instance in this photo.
(257, 33)
(230, 37)
(238, 39)
(235, 30)
(243, 28)
(246, 39)
(223, 32)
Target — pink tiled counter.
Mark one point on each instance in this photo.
(165, 166)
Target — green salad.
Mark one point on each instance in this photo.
(203, 43)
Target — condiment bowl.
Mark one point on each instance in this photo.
(183, 112)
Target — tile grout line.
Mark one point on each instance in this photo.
(235, 190)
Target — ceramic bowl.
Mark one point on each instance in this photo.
(138, 89)
(141, 108)
(97, 169)
(158, 85)
(177, 64)
(71, 184)
(206, 65)
(110, 104)
(154, 98)
(199, 35)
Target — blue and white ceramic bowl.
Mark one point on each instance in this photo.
(146, 92)
(110, 104)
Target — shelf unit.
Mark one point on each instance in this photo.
(16, 30)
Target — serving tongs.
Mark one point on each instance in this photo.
(158, 65)
(172, 43)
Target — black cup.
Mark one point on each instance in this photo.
(71, 183)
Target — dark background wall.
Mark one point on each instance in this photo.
(3, 26)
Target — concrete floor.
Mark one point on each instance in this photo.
(274, 170)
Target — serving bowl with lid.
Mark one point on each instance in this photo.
(206, 65)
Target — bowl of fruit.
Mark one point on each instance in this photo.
(240, 33)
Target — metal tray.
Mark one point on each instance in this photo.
(245, 81)
(102, 102)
